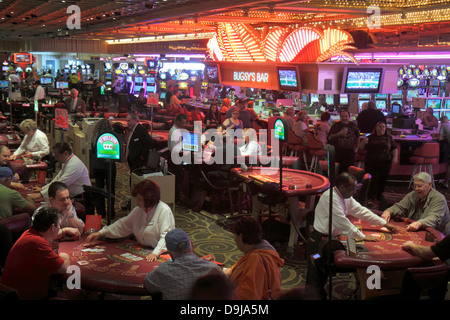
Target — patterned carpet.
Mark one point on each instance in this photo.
(211, 234)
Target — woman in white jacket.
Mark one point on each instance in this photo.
(149, 222)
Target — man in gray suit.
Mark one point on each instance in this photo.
(75, 104)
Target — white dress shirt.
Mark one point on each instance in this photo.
(251, 149)
(37, 145)
(74, 174)
(149, 228)
(341, 208)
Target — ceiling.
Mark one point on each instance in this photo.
(403, 23)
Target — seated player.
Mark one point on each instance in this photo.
(32, 260)
(11, 199)
(251, 146)
(175, 278)
(73, 172)
(35, 142)
(59, 198)
(149, 222)
(256, 274)
(5, 155)
(343, 205)
(425, 205)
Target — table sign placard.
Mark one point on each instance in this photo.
(109, 147)
(280, 129)
(61, 118)
(351, 246)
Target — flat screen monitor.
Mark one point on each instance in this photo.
(191, 141)
(395, 109)
(3, 84)
(343, 99)
(360, 103)
(381, 96)
(151, 89)
(433, 92)
(183, 85)
(397, 95)
(23, 58)
(137, 89)
(400, 102)
(314, 97)
(150, 80)
(162, 95)
(46, 81)
(434, 83)
(62, 84)
(213, 73)
(363, 80)
(364, 96)
(138, 79)
(381, 104)
(433, 103)
(288, 79)
(5, 68)
(329, 99)
(413, 93)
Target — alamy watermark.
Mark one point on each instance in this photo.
(74, 20)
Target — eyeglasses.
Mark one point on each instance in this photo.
(419, 186)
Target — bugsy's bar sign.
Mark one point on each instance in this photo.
(253, 75)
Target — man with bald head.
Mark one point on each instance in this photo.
(74, 104)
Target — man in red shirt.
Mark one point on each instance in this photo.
(32, 260)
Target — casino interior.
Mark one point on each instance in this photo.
(273, 60)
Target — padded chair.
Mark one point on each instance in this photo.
(295, 146)
(425, 283)
(323, 168)
(423, 159)
(363, 190)
(360, 158)
(316, 149)
(357, 172)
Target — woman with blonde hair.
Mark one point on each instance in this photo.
(35, 142)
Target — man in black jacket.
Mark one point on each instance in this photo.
(368, 118)
(139, 142)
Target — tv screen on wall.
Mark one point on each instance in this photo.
(288, 79)
(363, 80)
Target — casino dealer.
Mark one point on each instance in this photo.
(148, 222)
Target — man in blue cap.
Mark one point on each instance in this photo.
(9, 198)
(175, 278)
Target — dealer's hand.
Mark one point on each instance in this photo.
(391, 228)
(370, 238)
(151, 257)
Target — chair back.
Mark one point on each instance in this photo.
(361, 196)
(427, 150)
(430, 282)
(313, 143)
(323, 168)
(293, 138)
(357, 172)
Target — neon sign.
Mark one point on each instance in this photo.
(251, 76)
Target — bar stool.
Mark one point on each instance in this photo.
(424, 157)
(360, 158)
(316, 150)
(295, 145)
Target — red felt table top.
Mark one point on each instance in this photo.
(387, 253)
(295, 182)
(111, 267)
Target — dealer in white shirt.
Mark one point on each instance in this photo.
(149, 222)
(35, 142)
(344, 204)
(39, 95)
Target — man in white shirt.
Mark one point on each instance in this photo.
(39, 95)
(73, 172)
(175, 133)
(343, 205)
